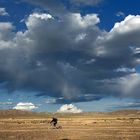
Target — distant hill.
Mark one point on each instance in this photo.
(125, 112)
(15, 113)
(20, 113)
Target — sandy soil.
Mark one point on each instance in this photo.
(72, 127)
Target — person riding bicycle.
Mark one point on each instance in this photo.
(54, 121)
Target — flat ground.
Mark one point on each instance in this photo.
(121, 125)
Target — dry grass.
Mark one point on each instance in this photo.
(86, 126)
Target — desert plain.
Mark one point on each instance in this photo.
(22, 125)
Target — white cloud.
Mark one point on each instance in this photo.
(3, 12)
(25, 106)
(83, 21)
(42, 16)
(36, 18)
(120, 38)
(130, 23)
(69, 108)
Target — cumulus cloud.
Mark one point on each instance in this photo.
(70, 59)
(126, 25)
(85, 21)
(69, 108)
(36, 18)
(25, 106)
(3, 12)
(118, 43)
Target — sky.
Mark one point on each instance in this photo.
(69, 55)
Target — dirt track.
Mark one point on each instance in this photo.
(108, 127)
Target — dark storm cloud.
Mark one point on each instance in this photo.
(76, 98)
(71, 60)
(83, 98)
